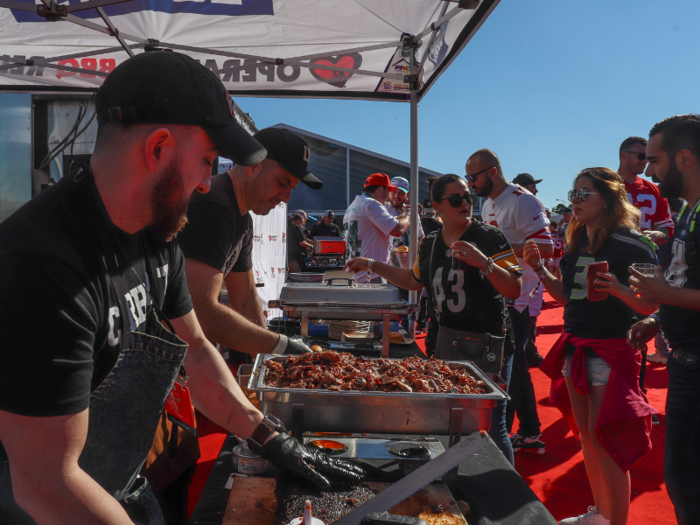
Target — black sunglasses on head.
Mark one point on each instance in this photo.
(640, 156)
(456, 200)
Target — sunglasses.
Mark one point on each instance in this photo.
(580, 195)
(473, 177)
(640, 156)
(456, 200)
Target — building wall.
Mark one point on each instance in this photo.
(15, 152)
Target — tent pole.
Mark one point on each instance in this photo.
(413, 295)
(347, 177)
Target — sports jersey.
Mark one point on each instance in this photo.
(610, 318)
(368, 225)
(558, 245)
(465, 300)
(682, 326)
(405, 239)
(645, 196)
(520, 216)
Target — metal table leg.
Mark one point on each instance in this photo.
(385, 337)
(305, 324)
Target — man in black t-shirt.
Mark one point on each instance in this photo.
(325, 227)
(673, 152)
(86, 364)
(296, 245)
(217, 243)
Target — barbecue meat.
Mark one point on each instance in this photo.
(342, 371)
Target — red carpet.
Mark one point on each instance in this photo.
(557, 477)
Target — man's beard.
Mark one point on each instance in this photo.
(672, 185)
(169, 214)
(485, 190)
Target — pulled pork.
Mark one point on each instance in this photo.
(342, 371)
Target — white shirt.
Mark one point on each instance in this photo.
(367, 225)
(521, 216)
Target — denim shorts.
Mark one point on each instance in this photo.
(597, 370)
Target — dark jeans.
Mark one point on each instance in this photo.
(531, 349)
(682, 451)
(499, 430)
(521, 390)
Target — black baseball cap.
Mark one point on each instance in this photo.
(291, 152)
(164, 87)
(566, 210)
(525, 179)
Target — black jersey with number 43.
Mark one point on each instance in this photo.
(465, 300)
(611, 318)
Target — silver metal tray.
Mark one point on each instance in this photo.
(361, 293)
(341, 300)
(377, 412)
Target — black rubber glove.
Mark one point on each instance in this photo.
(296, 346)
(287, 454)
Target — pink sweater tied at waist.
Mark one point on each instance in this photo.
(624, 422)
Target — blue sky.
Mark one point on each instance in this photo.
(552, 86)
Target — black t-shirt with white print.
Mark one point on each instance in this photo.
(59, 316)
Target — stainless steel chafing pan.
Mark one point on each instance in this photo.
(378, 412)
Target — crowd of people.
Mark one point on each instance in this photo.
(129, 317)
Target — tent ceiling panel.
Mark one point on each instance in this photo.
(303, 48)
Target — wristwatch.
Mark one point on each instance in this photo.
(269, 425)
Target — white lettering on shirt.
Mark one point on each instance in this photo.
(115, 336)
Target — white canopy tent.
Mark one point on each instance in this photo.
(391, 50)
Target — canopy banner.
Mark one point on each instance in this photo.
(290, 48)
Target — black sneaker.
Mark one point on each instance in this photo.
(530, 445)
(655, 420)
(534, 360)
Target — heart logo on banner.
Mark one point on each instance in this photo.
(336, 78)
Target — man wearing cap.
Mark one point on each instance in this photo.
(325, 227)
(368, 224)
(218, 243)
(534, 359)
(396, 206)
(527, 181)
(87, 362)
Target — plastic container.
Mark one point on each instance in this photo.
(299, 521)
(247, 461)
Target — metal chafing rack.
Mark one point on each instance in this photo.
(377, 412)
(340, 297)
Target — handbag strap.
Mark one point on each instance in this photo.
(429, 288)
(430, 278)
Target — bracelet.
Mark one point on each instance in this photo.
(488, 270)
(656, 318)
(539, 267)
(370, 265)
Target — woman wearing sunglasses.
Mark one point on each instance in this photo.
(595, 374)
(467, 300)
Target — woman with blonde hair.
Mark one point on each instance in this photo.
(595, 374)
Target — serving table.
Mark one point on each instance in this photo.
(495, 492)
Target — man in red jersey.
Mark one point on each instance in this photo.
(656, 220)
